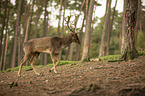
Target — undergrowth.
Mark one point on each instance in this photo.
(115, 58)
(110, 58)
(27, 68)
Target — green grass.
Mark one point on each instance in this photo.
(27, 68)
(63, 63)
(17, 68)
(141, 53)
(114, 58)
(110, 58)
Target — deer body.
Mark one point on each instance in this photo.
(47, 44)
(52, 45)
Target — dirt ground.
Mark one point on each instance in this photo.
(102, 78)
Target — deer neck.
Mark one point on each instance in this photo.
(67, 41)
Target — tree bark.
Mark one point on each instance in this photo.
(26, 30)
(67, 52)
(62, 31)
(6, 39)
(59, 19)
(37, 19)
(5, 52)
(71, 52)
(123, 27)
(2, 32)
(105, 26)
(16, 33)
(85, 55)
(78, 48)
(110, 25)
(137, 21)
(108, 35)
(45, 28)
(129, 49)
(31, 15)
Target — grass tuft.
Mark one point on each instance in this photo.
(141, 53)
(63, 63)
(110, 57)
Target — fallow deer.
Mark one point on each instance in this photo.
(52, 45)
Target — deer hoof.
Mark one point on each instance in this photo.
(55, 72)
(19, 75)
(38, 74)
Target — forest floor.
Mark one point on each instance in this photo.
(101, 78)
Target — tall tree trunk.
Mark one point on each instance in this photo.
(1, 62)
(76, 58)
(5, 52)
(85, 55)
(59, 19)
(62, 32)
(77, 50)
(43, 57)
(63, 27)
(27, 27)
(26, 31)
(31, 15)
(105, 27)
(67, 52)
(123, 28)
(108, 35)
(25, 21)
(71, 52)
(110, 25)
(2, 32)
(129, 49)
(45, 28)
(16, 33)
(72, 45)
(137, 21)
(6, 38)
(19, 47)
(37, 19)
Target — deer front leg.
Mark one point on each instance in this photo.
(57, 57)
(53, 60)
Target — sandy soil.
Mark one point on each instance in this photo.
(125, 78)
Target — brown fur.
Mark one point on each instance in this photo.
(52, 45)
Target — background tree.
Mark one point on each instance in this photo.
(129, 51)
(43, 60)
(37, 18)
(123, 27)
(4, 14)
(105, 28)
(110, 26)
(137, 21)
(16, 33)
(85, 55)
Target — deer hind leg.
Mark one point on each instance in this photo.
(26, 57)
(32, 62)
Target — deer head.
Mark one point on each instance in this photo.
(73, 31)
